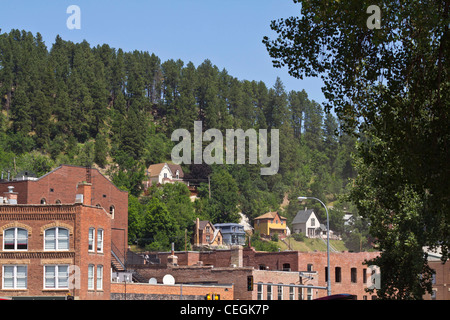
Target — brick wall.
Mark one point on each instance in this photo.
(144, 291)
(294, 261)
(61, 185)
(237, 277)
(36, 219)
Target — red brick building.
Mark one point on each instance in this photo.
(53, 250)
(60, 186)
(348, 273)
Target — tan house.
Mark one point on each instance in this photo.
(206, 234)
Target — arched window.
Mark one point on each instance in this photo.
(112, 210)
(15, 239)
(56, 239)
(58, 201)
(43, 201)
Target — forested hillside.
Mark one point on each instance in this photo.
(73, 103)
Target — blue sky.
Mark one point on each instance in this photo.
(227, 32)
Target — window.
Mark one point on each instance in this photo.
(326, 274)
(269, 292)
(291, 293)
(100, 240)
(91, 239)
(99, 277)
(165, 175)
(309, 294)
(58, 201)
(300, 293)
(56, 277)
(56, 239)
(91, 277)
(337, 274)
(364, 275)
(15, 239)
(260, 291)
(310, 267)
(112, 211)
(14, 277)
(280, 292)
(43, 201)
(353, 276)
(178, 174)
(313, 222)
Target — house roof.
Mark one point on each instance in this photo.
(269, 215)
(302, 216)
(202, 224)
(174, 168)
(155, 169)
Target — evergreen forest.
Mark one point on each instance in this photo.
(73, 103)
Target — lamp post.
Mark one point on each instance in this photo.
(328, 243)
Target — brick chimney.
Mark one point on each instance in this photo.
(84, 192)
(10, 196)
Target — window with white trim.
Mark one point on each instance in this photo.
(14, 277)
(15, 239)
(91, 239)
(269, 292)
(99, 277)
(100, 240)
(56, 239)
(260, 291)
(280, 292)
(56, 276)
(91, 277)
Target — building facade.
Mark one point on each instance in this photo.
(54, 251)
(348, 272)
(232, 233)
(269, 224)
(205, 234)
(61, 186)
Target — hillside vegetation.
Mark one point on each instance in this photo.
(73, 103)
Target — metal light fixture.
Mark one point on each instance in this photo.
(328, 242)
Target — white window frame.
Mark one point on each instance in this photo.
(91, 239)
(99, 280)
(57, 239)
(291, 293)
(15, 239)
(100, 235)
(269, 292)
(91, 277)
(14, 276)
(57, 277)
(260, 291)
(280, 292)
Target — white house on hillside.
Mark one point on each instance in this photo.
(161, 173)
(307, 223)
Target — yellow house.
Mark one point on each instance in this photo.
(270, 223)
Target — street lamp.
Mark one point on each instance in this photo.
(328, 242)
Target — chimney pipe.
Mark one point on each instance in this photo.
(10, 196)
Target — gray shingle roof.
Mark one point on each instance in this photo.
(302, 216)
